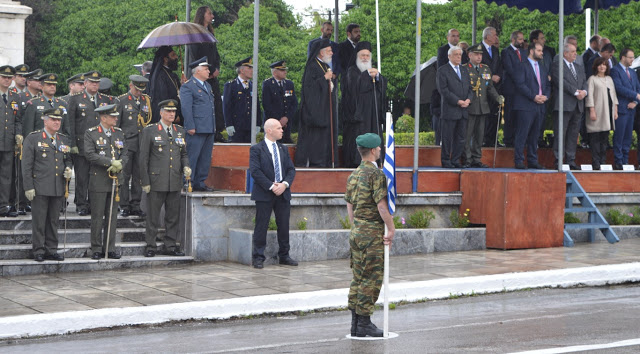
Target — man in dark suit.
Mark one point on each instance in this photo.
(347, 48)
(327, 31)
(236, 103)
(279, 98)
(628, 93)
(574, 92)
(532, 91)
(594, 47)
(454, 85)
(273, 172)
(197, 105)
(512, 57)
(607, 51)
(453, 38)
(491, 58)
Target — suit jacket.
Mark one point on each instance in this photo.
(588, 68)
(626, 89)
(43, 163)
(494, 63)
(346, 51)
(571, 84)
(443, 55)
(452, 89)
(263, 173)
(10, 121)
(196, 104)
(162, 159)
(527, 87)
(588, 53)
(236, 105)
(510, 64)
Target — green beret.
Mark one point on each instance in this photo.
(369, 140)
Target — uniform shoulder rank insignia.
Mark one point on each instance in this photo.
(123, 95)
(117, 128)
(75, 94)
(92, 129)
(35, 132)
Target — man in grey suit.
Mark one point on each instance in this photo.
(574, 92)
(454, 85)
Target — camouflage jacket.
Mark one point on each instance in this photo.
(366, 187)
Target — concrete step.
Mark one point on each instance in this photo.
(16, 267)
(127, 234)
(73, 222)
(585, 226)
(73, 250)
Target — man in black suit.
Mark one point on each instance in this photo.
(491, 58)
(512, 57)
(453, 38)
(532, 91)
(574, 92)
(454, 85)
(327, 30)
(347, 49)
(594, 47)
(273, 173)
(607, 51)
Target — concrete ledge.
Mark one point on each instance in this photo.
(69, 322)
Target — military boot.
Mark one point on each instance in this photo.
(354, 322)
(366, 328)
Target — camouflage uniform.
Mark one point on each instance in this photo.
(365, 188)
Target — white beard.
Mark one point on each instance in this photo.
(363, 65)
(326, 59)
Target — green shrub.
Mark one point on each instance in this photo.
(399, 222)
(405, 124)
(302, 223)
(420, 219)
(459, 220)
(616, 217)
(569, 218)
(344, 222)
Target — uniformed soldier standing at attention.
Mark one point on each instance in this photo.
(135, 113)
(19, 81)
(10, 136)
(236, 104)
(366, 198)
(75, 84)
(33, 89)
(46, 163)
(82, 115)
(163, 160)
(106, 152)
(479, 109)
(279, 99)
(31, 118)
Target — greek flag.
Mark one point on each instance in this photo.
(389, 166)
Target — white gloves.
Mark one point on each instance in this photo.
(67, 173)
(30, 194)
(231, 130)
(146, 189)
(187, 172)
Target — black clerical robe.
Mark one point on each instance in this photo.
(165, 85)
(317, 131)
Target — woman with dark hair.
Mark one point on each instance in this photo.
(603, 110)
(204, 17)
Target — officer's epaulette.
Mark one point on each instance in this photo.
(35, 132)
(93, 128)
(77, 93)
(61, 134)
(230, 81)
(117, 128)
(268, 79)
(123, 95)
(145, 95)
(63, 100)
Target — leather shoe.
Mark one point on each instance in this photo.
(536, 166)
(39, 257)
(139, 213)
(456, 165)
(54, 257)
(573, 166)
(84, 212)
(447, 165)
(22, 211)
(27, 208)
(288, 261)
(13, 213)
(96, 255)
(258, 264)
(203, 189)
(617, 167)
(113, 255)
(150, 253)
(125, 212)
(521, 166)
(5, 210)
(479, 165)
(175, 252)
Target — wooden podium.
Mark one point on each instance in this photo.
(520, 209)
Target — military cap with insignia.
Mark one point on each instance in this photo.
(110, 109)
(245, 62)
(94, 76)
(22, 69)
(49, 78)
(79, 78)
(168, 105)
(369, 140)
(476, 48)
(34, 75)
(139, 82)
(7, 71)
(200, 62)
(55, 113)
(280, 65)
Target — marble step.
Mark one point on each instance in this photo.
(74, 221)
(125, 234)
(73, 250)
(18, 267)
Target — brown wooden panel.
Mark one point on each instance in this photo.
(322, 181)
(438, 181)
(229, 179)
(230, 155)
(609, 182)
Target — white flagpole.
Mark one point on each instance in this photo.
(378, 38)
(386, 286)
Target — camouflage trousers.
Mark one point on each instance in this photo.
(367, 265)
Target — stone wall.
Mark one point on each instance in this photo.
(12, 16)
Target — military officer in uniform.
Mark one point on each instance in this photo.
(163, 160)
(31, 118)
(366, 198)
(279, 99)
(46, 163)
(135, 113)
(236, 103)
(19, 81)
(479, 109)
(75, 84)
(82, 115)
(10, 136)
(106, 152)
(33, 89)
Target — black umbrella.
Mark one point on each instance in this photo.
(427, 82)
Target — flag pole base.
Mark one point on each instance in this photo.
(391, 335)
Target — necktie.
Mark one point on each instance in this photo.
(276, 162)
(519, 56)
(169, 132)
(4, 98)
(245, 83)
(458, 72)
(573, 71)
(281, 84)
(51, 103)
(95, 101)
(107, 133)
(628, 75)
(538, 77)
(489, 50)
(53, 141)
(477, 69)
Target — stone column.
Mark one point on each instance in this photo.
(12, 17)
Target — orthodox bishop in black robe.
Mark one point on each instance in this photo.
(164, 84)
(318, 118)
(363, 103)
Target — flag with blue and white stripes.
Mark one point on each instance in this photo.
(389, 166)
